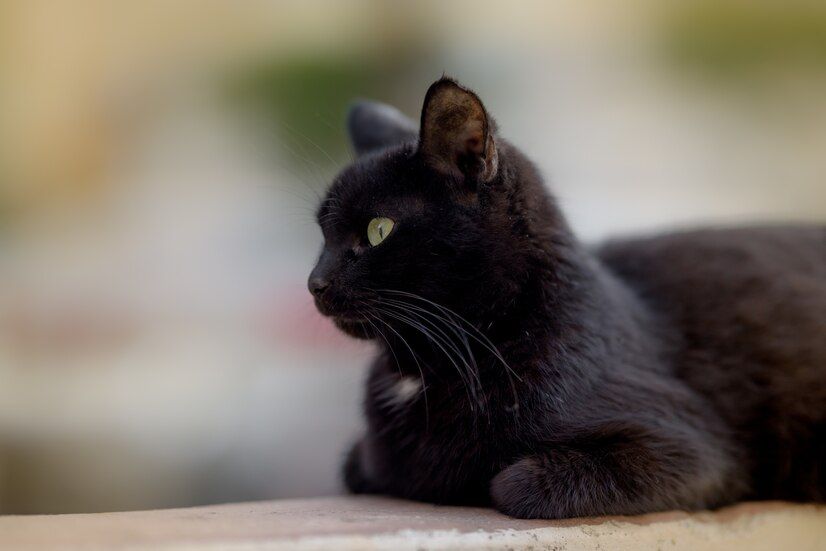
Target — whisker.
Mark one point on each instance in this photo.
(470, 363)
(311, 142)
(369, 319)
(482, 339)
(471, 392)
(450, 323)
(418, 365)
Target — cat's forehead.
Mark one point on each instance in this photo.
(382, 180)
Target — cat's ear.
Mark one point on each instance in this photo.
(456, 135)
(373, 126)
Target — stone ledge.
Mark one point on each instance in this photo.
(381, 523)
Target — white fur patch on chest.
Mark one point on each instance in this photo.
(405, 390)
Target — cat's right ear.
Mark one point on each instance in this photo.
(373, 126)
(456, 134)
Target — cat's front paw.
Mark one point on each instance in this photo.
(521, 491)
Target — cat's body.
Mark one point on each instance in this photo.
(517, 366)
(750, 308)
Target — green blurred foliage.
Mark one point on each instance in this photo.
(735, 39)
(305, 100)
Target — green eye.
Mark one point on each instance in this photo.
(378, 229)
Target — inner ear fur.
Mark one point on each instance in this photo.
(456, 138)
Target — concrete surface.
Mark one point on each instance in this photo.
(343, 523)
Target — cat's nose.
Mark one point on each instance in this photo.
(321, 276)
(317, 285)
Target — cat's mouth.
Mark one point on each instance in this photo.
(360, 328)
(347, 318)
(339, 312)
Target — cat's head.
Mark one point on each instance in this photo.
(421, 216)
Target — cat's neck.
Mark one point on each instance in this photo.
(573, 311)
(570, 309)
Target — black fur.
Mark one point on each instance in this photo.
(682, 371)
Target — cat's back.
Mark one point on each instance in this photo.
(748, 309)
(804, 242)
(759, 278)
(754, 295)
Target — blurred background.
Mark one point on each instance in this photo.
(160, 163)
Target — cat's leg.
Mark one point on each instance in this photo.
(356, 470)
(616, 470)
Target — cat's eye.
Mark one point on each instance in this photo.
(378, 229)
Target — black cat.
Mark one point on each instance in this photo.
(520, 368)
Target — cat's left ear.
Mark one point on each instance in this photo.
(374, 126)
(456, 135)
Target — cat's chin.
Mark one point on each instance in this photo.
(355, 328)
